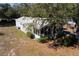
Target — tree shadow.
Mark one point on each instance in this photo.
(2, 34)
(5, 23)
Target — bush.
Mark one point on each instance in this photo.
(43, 39)
(29, 34)
(68, 40)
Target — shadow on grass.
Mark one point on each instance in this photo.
(5, 23)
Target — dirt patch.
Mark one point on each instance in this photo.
(17, 43)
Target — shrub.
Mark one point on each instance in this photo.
(68, 40)
(29, 34)
(43, 39)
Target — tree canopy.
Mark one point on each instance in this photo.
(54, 11)
(7, 12)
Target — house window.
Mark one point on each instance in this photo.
(36, 31)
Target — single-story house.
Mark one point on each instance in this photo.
(39, 26)
(23, 22)
(34, 25)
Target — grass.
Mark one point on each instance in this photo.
(21, 34)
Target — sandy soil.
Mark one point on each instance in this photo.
(13, 43)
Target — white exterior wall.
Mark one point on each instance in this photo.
(20, 22)
(27, 20)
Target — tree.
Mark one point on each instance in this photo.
(7, 12)
(23, 9)
(56, 12)
(11, 13)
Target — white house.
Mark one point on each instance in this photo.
(23, 23)
(37, 26)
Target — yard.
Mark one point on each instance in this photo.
(13, 42)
